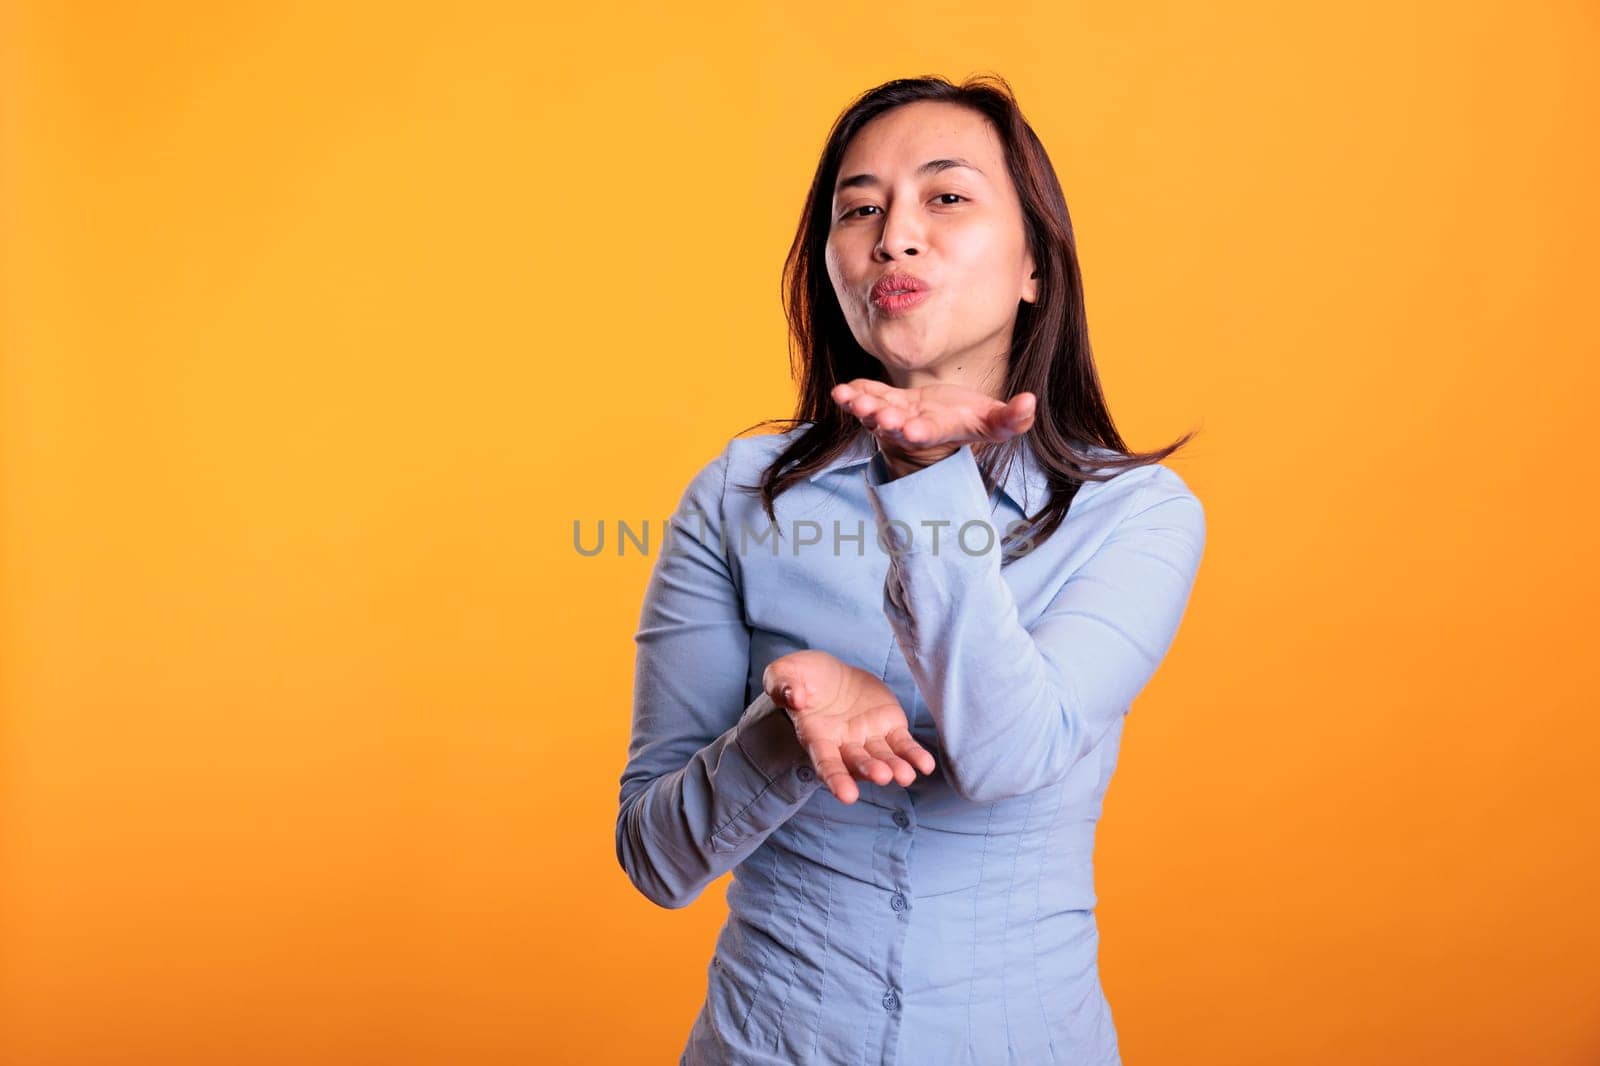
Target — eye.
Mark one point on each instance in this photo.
(855, 212)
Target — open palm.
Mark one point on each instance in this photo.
(848, 720)
(927, 422)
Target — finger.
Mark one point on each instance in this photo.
(874, 423)
(906, 745)
(903, 772)
(834, 774)
(867, 408)
(863, 396)
(864, 765)
(881, 389)
(893, 424)
(849, 398)
(923, 429)
(893, 418)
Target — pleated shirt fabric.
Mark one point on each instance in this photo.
(951, 922)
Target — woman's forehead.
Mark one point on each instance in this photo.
(911, 135)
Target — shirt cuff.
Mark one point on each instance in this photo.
(924, 511)
(765, 734)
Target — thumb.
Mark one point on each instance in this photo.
(783, 683)
(1015, 415)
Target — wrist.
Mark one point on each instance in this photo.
(899, 464)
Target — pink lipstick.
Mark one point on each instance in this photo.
(896, 292)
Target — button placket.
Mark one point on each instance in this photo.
(897, 846)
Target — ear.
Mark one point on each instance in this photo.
(1030, 287)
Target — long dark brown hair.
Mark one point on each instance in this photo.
(1050, 354)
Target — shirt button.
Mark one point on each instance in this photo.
(805, 773)
(897, 901)
(900, 819)
(890, 1000)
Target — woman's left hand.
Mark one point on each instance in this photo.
(919, 426)
(849, 721)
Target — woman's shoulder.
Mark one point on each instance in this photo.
(741, 460)
(747, 455)
(1135, 488)
(758, 450)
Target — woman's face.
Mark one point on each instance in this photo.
(957, 229)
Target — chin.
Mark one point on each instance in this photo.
(908, 356)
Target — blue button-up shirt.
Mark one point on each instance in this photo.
(951, 921)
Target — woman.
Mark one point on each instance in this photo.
(940, 656)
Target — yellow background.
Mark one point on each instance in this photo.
(322, 324)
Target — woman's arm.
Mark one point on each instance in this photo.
(698, 796)
(1017, 708)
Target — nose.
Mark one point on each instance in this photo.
(902, 230)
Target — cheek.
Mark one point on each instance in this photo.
(846, 285)
(989, 267)
(985, 246)
(837, 273)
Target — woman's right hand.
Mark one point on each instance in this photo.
(848, 720)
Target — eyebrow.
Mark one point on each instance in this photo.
(932, 166)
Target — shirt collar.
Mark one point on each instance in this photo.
(1024, 480)
(858, 452)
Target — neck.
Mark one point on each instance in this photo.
(985, 374)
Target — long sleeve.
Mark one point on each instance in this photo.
(699, 794)
(1017, 707)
